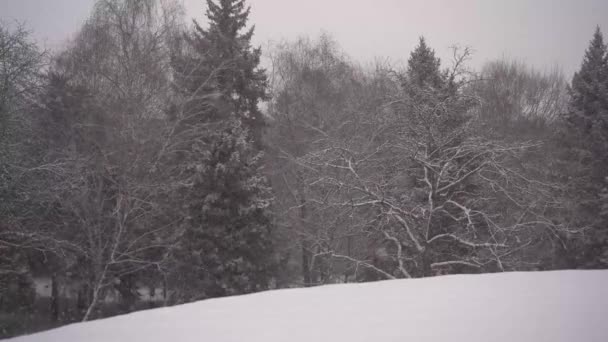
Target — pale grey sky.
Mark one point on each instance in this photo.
(541, 32)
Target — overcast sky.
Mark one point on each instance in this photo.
(543, 33)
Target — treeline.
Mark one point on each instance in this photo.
(139, 157)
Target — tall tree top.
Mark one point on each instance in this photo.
(225, 49)
(229, 15)
(423, 67)
(589, 89)
(226, 20)
(595, 56)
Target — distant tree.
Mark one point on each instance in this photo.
(223, 53)
(587, 149)
(519, 104)
(315, 90)
(519, 101)
(425, 188)
(21, 62)
(423, 67)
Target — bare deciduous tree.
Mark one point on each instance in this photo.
(417, 181)
(107, 100)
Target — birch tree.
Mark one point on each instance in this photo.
(106, 103)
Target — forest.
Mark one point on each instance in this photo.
(154, 161)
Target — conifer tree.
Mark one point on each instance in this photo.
(228, 235)
(424, 83)
(423, 67)
(587, 131)
(589, 104)
(227, 245)
(223, 51)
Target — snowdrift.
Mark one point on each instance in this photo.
(511, 307)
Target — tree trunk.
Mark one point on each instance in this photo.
(165, 297)
(306, 255)
(128, 293)
(54, 298)
(306, 252)
(92, 304)
(95, 291)
(426, 262)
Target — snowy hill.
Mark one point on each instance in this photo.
(510, 307)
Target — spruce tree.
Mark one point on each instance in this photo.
(228, 237)
(424, 68)
(424, 83)
(227, 247)
(432, 91)
(587, 132)
(589, 104)
(224, 51)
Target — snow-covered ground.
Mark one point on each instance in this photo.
(511, 307)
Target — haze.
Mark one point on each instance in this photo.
(541, 32)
